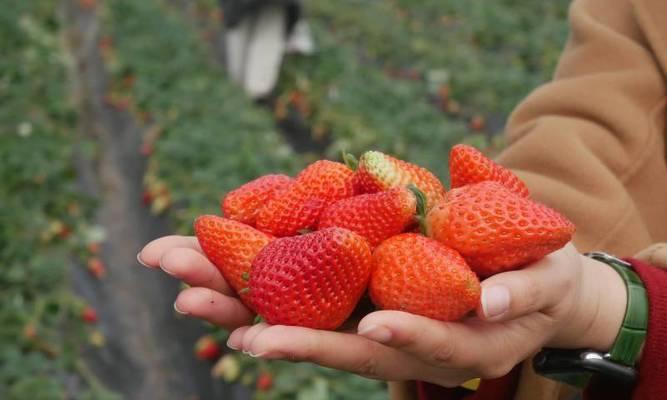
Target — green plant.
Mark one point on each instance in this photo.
(45, 222)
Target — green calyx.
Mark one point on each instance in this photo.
(422, 202)
(350, 160)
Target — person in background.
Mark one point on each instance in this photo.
(257, 35)
(591, 144)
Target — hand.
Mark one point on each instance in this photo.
(565, 300)
(210, 297)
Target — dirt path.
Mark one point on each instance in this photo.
(148, 353)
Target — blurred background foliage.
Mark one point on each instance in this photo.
(407, 77)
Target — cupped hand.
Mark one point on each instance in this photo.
(209, 297)
(564, 300)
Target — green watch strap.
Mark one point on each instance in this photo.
(631, 336)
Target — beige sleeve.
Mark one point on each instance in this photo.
(591, 142)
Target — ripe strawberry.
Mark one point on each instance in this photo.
(313, 280)
(264, 382)
(231, 246)
(146, 149)
(94, 248)
(477, 122)
(105, 44)
(468, 165)
(421, 276)
(30, 331)
(87, 4)
(299, 207)
(207, 348)
(375, 216)
(146, 198)
(243, 203)
(495, 229)
(377, 172)
(96, 267)
(89, 315)
(63, 231)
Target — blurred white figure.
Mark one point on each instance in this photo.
(257, 35)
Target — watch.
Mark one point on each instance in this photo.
(576, 367)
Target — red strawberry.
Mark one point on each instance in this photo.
(376, 216)
(207, 348)
(468, 165)
(477, 122)
(264, 382)
(313, 280)
(243, 203)
(231, 246)
(495, 229)
(146, 149)
(377, 172)
(30, 331)
(299, 207)
(146, 198)
(87, 4)
(89, 315)
(97, 268)
(421, 276)
(94, 247)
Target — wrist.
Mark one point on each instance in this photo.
(611, 298)
(599, 310)
(616, 326)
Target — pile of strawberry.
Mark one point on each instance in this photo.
(303, 251)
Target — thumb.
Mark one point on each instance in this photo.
(539, 286)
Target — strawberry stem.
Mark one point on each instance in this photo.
(350, 160)
(420, 216)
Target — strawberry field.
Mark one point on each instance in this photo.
(116, 116)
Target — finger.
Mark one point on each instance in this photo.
(249, 335)
(342, 351)
(538, 287)
(435, 342)
(194, 268)
(235, 340)
(490, 349)
(150, 255)
(218, 309)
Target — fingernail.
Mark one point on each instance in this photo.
(253, 355)
(140, 261)
(495, 301)
(231, 345)
(179, 311)
(377, 333)
(165, 269)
